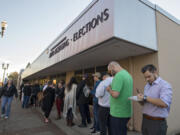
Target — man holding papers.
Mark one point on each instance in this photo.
(156, 102)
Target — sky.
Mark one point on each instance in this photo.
(34, 24)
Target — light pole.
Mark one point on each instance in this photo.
(3, 27)
(4, 67)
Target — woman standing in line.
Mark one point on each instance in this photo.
(48, 100)
(59, 98)
(69, 110)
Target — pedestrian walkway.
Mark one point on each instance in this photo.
(75, 130)
(27, 122)
(30, 122)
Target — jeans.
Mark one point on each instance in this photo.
(33, 99)
(95, 113)
(103, 113)
(85, 114)
(6, 101)
(118, 126)
(25, 101)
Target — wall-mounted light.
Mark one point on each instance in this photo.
(4, 67)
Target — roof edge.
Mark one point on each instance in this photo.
(161, 10)
(167, 14)
(146, 2)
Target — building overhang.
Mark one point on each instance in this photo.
(101, 54)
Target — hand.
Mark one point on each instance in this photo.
(140, 96)
(108, 88)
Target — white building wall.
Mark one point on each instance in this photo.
(135, 22)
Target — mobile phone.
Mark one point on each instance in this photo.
(138, 91)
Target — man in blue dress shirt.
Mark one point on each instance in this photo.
(156, 102)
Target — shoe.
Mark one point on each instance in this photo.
(91, 128)
(71, 123)
(98, 133)
(6, 117)
(2, 115)
(46, 120)
(82, 126)
(95, 132)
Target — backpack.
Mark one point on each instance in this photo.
(86, 91)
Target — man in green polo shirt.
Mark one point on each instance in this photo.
(120, 107)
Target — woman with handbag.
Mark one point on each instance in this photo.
(69, 110)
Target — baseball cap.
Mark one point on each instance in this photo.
(97, 74)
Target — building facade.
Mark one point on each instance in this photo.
(132, 32)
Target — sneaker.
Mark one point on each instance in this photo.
(98, 132)
(2, 115)
(91, 128)
(95, 132)
(6, 117)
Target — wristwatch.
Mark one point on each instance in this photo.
(145, 98)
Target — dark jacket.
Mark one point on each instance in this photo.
(9, 92)
(48, 100)
(35, 89)
(60, 92)
(80, 97)
(27, 90)
(93, 92)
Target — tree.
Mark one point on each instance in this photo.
(13, 76)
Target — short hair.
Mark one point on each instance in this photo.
(150, 67)
(105, 74)
(113, 63)
(50, 82)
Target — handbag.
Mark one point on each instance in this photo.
(86, 91)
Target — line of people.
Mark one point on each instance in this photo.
(111, 110)
(111, 107)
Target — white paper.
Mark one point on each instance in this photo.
(134, 98)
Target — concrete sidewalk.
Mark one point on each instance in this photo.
(26, 122)
(30, 121)
(75, 130)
